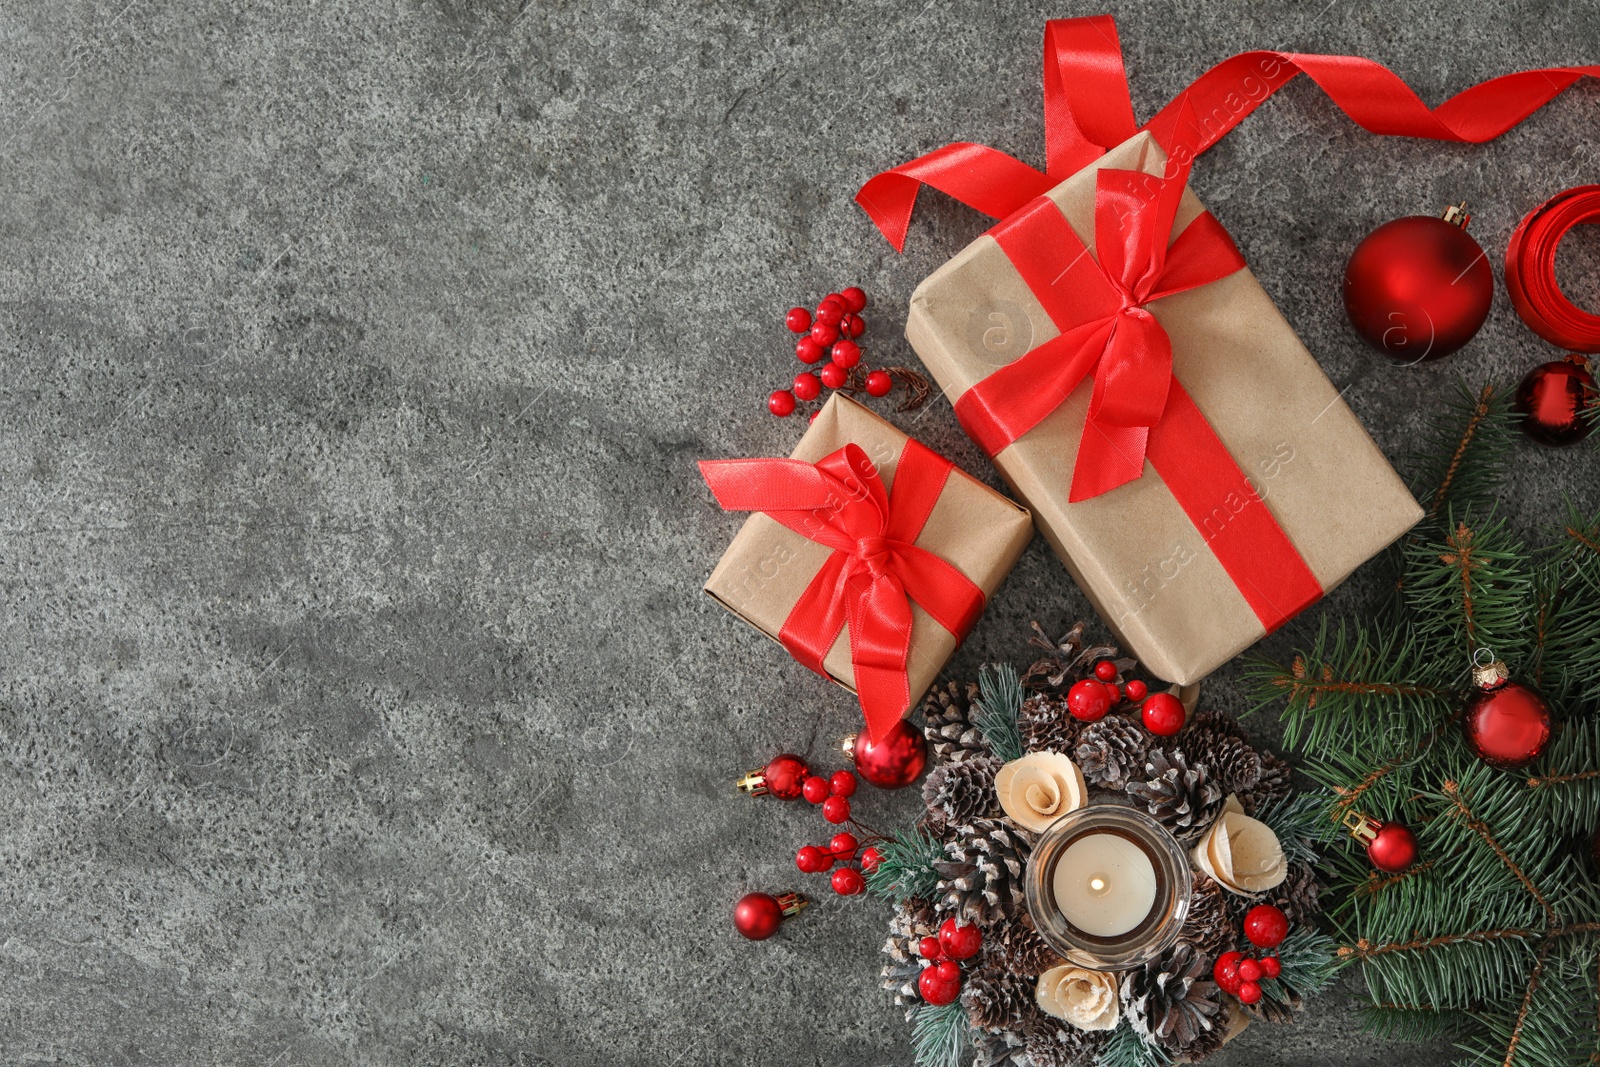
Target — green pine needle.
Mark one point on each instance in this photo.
(1126, 1048)
(906, 867)
(940, 1034)
(1301, 821)
(998, 705)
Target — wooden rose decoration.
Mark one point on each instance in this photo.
(1086, 999)
(1241, 853)
(1039, 788)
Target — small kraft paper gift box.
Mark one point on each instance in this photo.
(1181, 451)
(869, 556)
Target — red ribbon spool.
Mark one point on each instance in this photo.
(1531, 270)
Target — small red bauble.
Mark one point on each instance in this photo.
(842, 784)
(1163, 714)
(757, 916)
(1270, 966)
(798, 320)
(1249, 970)
(781, 778)
(846, 354)
(824, 334)
(852, 326)
(781, 403)
(833, 375)
(935, 989)
(1507, 724)
(870, 858)
(1135, 690)
(843, 846)
(836, 810)
(1226, 971)
(879, 383)
(1419, 288)
(830, 312)
(854, 299)
(815, 789)
(847, 882)
(1249, 993)
(1557, 401)
(930, 949)
(1106, 671)
(1393, 848)
(1266, 925)
(809, 350)
(812, 860)
(1088, 700)
(807, 386)
(894, 760)
(959, 942)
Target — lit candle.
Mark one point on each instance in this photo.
(1105, 885)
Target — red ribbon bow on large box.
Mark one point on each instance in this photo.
(876, 569)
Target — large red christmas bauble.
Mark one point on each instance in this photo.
(1393, 848)
(893, 762)
(1418, 288)
(1556, 400)
(1507, 724)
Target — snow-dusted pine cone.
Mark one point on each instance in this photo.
(1182, 798)
(1210, 926)
(947, 723)
(961, 791)
(1015, 944)
(1048, 725)
(1059, 1044)
(998, 1000)
(981, 882)
(1272, 786)
(1172, 1000)
(1257, 778)
(1111, 752)
(1215, 722)
(913, 921)
(999, 1050)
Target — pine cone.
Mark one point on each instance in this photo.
(1172, 1000)
(1257, 778)
(1047, 725)
(1218, 723)
(1297, 895)
(981, 882)
(1272, 786)
(998, 999)
(1184, 799)
(1111, 752)
(999, 1050)
(961, 791)
(1209, 926)
(947, 725)
(1061, 1045)
(1017, 946)
(1067, 660)
(1273, 1010)
(912, 922)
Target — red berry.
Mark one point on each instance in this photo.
(1163, 714)
(1226, 971)
(1266, 925)
(1105, 670)
(878, 382)
(852, 325)
(1271, 967)
(812, 860)
(1249, 993)
(815, 789)
(809, 350)
(847, 882)
(948, 971)
(846, 354)
(807, 386)
(936, 990)
(781, 403)
(830, 312)
(833, 375)
(1249, 970)
(824, 334)
(930, 949)
(798, 320)
(836, 809)
(1088, 700)
(843, 846)
(1135, 690)
(834, 298)
(842, 784)
(854, 298)
(960, 942)
(870, 858)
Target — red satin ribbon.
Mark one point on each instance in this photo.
(1098, 303)
(1531, 270)
(1087, 111)
(876, 569)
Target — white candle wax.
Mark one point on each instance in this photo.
(1104, 884)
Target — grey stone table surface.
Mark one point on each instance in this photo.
(358, 701)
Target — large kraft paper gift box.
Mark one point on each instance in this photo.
(866, 589)
(1197, 513)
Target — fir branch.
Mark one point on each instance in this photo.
(1125, 1048)
(1477, 826)
(1522, 1012)
(1310, 963)
(940, 1034)
(1409, 1022)
(1365, 950)
(905, 869)
(1300, 821)
(1464, 461)
(1470, 589)
(996, 709)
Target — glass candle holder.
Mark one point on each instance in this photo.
(1108, 887)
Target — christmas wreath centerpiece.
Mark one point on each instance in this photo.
(1014, 752)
